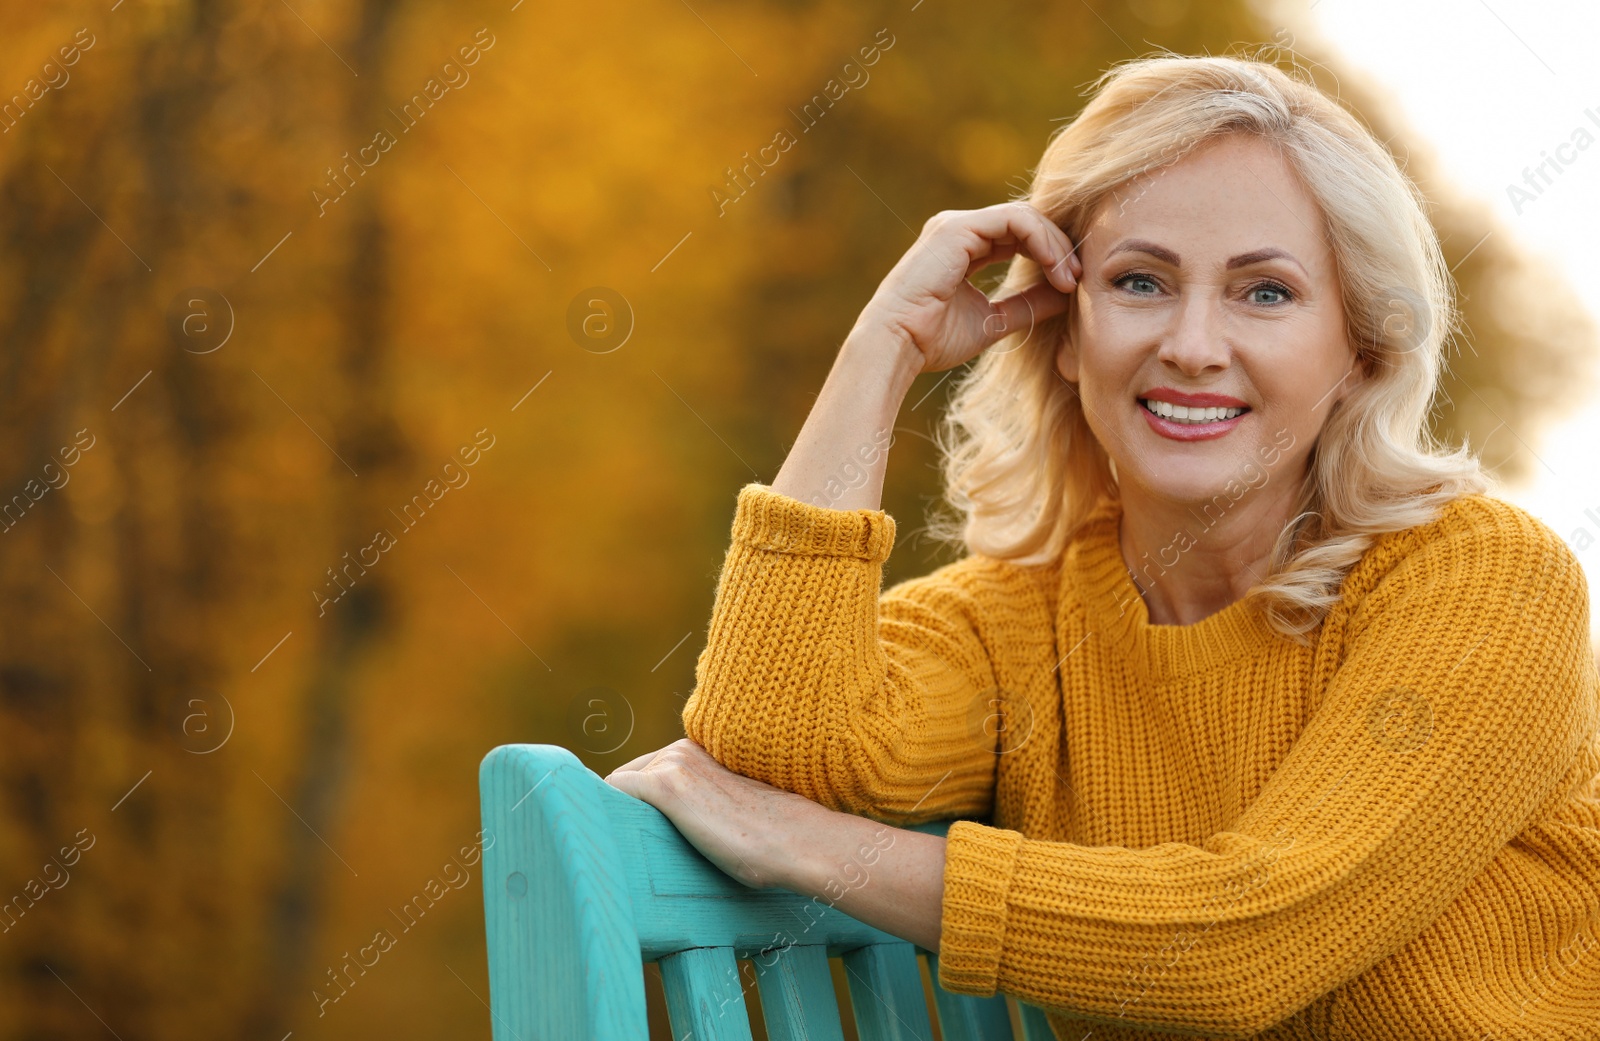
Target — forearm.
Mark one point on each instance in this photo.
(890, 878)
(840, 456)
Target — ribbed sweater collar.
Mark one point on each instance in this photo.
(1095, 574)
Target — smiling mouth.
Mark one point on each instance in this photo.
(1190, 415)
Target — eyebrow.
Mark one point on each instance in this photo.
(1166, 255)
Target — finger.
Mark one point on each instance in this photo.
(995, 256)
(1037, 235)
(1025, 310)
(636, 783)
(1064, 270)
(623, 780)
(637, 763)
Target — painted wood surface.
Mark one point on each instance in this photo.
(797, 1000)
(584, 883)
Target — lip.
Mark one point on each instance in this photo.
(1200, 399)
(1191, 431)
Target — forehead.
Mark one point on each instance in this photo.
(1228, 196)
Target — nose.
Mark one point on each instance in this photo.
(1195, 344)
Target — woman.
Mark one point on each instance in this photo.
(1284, 728)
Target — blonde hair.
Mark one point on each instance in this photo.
(1021, 466)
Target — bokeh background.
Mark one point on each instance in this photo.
(279, 275)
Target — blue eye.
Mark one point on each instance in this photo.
(1272, 287)
(1135, 276)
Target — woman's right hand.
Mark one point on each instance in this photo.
(926, 300)
(925, 317)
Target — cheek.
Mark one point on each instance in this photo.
(1109, 361)
(1096, 318)
(1328, 349)
(1117, 333)
(1295, 414)
(1312, 389)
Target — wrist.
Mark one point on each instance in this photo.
(881, 351)
(830, 854)
(798, 860)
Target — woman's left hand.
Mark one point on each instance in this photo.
(745, 827)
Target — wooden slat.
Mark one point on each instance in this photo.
(886, 990)
(705, 997)
(797, 1001)
(1035, 1026)
(963, 1017)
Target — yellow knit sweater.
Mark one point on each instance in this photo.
(1203, 829)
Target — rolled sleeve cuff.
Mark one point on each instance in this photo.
(978, 864)
(766, 519)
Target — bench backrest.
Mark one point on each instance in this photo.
(583, 884)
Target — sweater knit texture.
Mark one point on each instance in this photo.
(1210, 829)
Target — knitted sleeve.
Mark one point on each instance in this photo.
(1466, 692)
(808, 683)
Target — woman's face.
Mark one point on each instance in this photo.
(1208, 285)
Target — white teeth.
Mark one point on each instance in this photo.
(1185, 414)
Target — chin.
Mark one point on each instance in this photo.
(1210, 478)
(1193, 489)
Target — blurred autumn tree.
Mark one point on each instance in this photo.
(274, 750)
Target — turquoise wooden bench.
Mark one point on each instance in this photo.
(583, 884)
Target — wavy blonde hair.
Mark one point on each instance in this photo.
(1021, 467)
